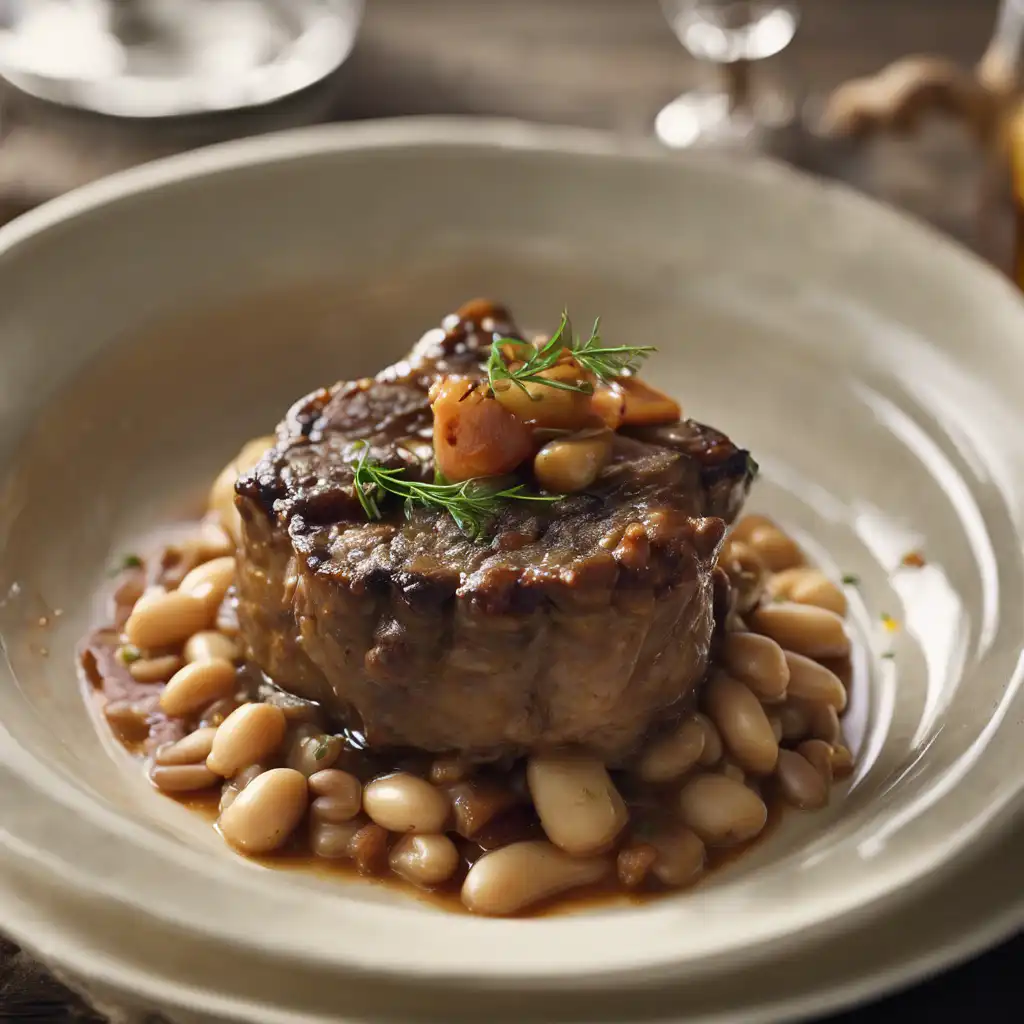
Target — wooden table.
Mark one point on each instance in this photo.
(600, 63)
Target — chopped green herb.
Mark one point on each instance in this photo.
(889, 655)
(127, 562)
(472, 503)
(129, 653)
(752, 466)
(321, 749)
(604, 362)
(607, 362)
(851, 579)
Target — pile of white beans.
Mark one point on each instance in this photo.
(768, 721)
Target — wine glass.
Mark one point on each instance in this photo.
(158, 58)
(728, 37)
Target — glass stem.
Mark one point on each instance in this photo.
(736, 75)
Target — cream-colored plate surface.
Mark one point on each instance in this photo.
(963, 912)
(151, 323)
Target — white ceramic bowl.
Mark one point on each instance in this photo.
(151, 323)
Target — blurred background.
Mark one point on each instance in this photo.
(91, 86)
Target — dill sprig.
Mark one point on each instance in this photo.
(606, 362)
(471, 503)
(537, 361)
(602, 361)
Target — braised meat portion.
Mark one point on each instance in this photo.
(578, 622)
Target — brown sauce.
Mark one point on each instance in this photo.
(131, 709)
(297, 857)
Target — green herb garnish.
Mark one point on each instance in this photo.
(129, 653)
(889, 655)
(127, 562)
(321, 749)
(604, 362)
(851, 579)
(752, 466)
(472, 503)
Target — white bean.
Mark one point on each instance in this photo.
(579, 807)
(211, 541)
(745, 526)
(234, 786)
(424, 860)
(801, 784)
(266, 812)
(207, 542)
(215, 713)
(406, 803)
(776, 549)
(807, 586)
(813, 682)
(333, 840)
(712, 752)
(313, 750)
(721, 810)
(674, 754)
(680, 857)
(369, 849)
(514, 877)
(154, 670)
(842, 761)
(191, 749)
(450, 768)
(181, 778)
(196, 685)
(820, 754)
(161, 619)
(209, 582)
(757, 661)
(824, 723)
(746, 571)
(221, 502)
(571, 464)
(803, 628)
(334, 782)
(209, 644)
(794, 720)
(249, 734)
(742, 721)
(339, 796)
(222, 494)
(331, 809)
